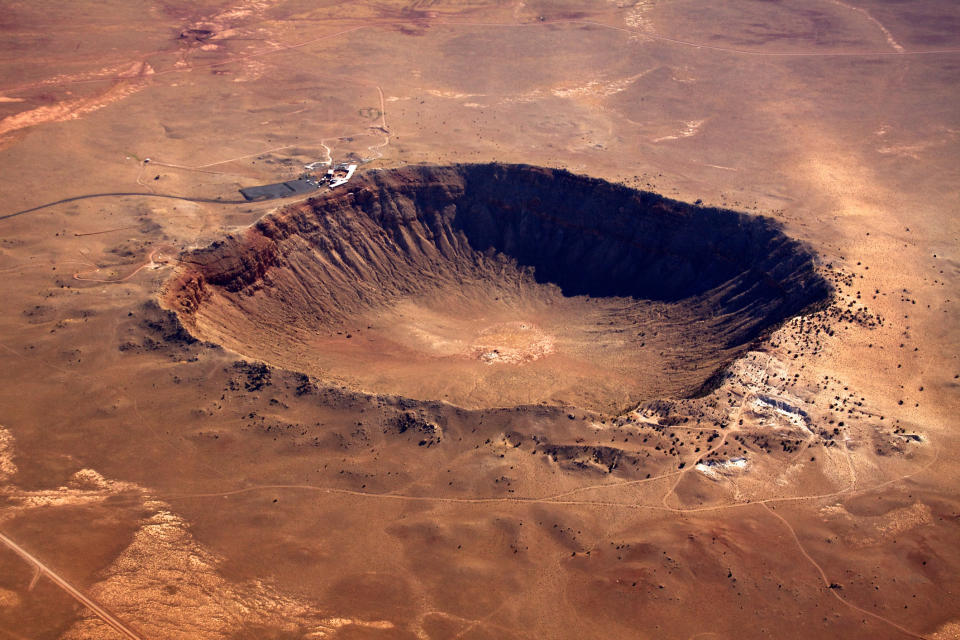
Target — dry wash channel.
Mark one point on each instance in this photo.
(492, 285)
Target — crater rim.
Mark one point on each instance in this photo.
(246, 265)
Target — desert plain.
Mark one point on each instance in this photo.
(637, 320)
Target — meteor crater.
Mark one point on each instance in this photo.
(498, 285)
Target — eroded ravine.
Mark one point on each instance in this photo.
(492, 285)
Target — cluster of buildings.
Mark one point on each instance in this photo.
(309, 181)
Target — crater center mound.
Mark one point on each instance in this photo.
(497, 285)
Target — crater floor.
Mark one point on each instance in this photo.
(493, 285)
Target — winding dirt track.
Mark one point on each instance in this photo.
(75, 593)
(826, 580)
(79, 275)
(554, 499)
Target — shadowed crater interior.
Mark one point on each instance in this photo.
(493, 285)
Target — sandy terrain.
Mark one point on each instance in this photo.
(469, 464)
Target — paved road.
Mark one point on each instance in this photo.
(121, 193)
(76, 594)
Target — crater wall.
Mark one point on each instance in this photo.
(492, 285)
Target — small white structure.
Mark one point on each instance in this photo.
(336, 182)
